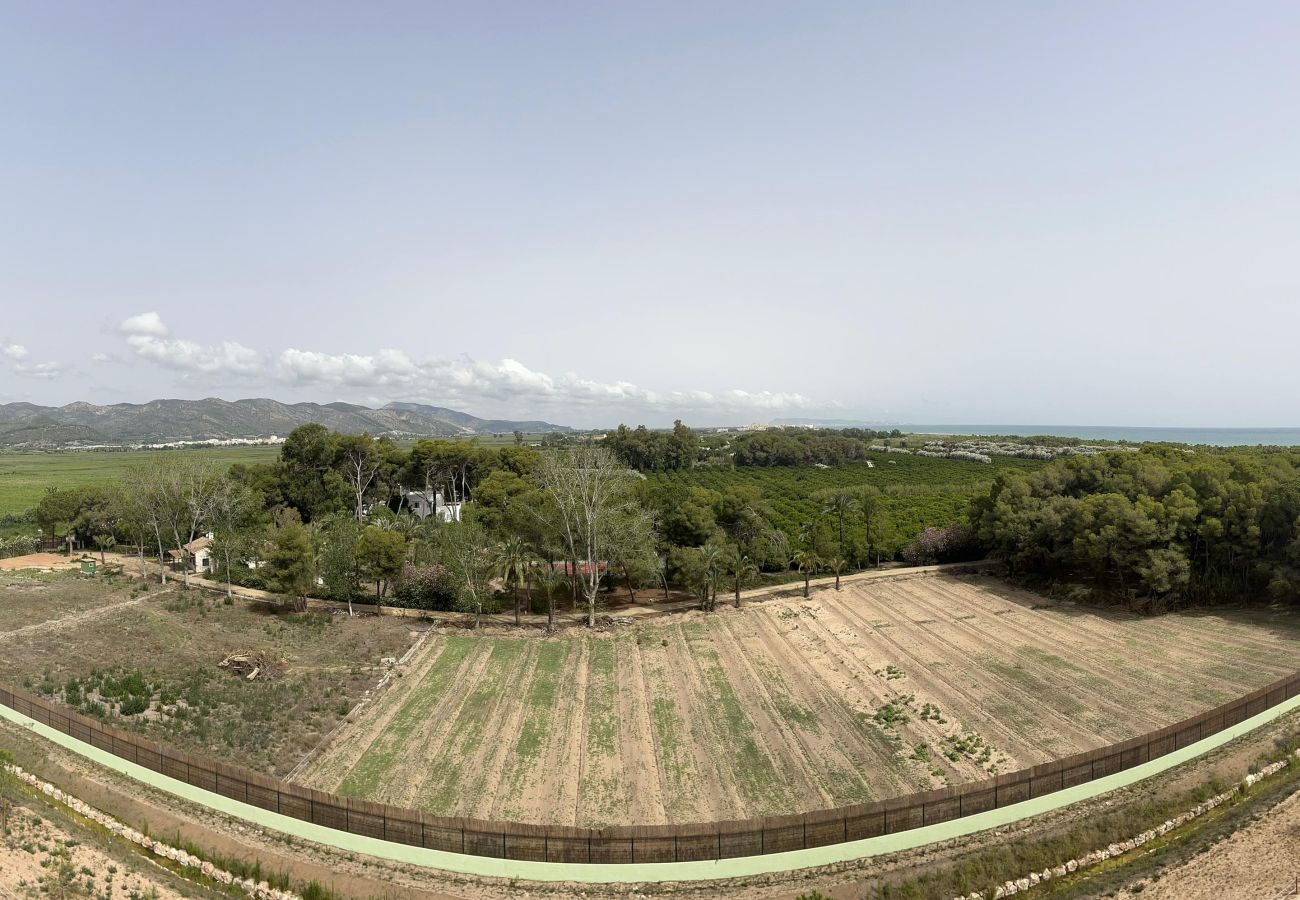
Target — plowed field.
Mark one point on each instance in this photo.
(881, 689)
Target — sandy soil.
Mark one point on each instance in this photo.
(39, 859)
(1260, 861)
(47, 561)
(881, 689)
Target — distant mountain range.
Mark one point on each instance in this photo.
(26, 425)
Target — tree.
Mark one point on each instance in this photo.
(837, 565)
(306, 474)
(235, 535)
(380, 555)
(807, 562)
(292, 561)
(712, 561)
(741, 569)
(466, 550)
(871, 507)
(340, 567)
(840, 505)
(548, 580)
(181, 492)
(152, 506)
(56, 510)
(514, 562)
(357, 459)
(591, 496)
(138, 517)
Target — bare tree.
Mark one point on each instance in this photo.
(191, 486)
(594, 507)
(152, 506)
(360, 466)
(233, 511)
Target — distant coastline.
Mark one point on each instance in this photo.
(1217, 437)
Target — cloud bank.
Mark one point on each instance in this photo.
(394, 374)
(146, 334)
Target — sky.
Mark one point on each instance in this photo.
(727, 212)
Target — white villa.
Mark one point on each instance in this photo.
(430, 503)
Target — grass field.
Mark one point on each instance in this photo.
(146, 659)
(879, 690)
(24, 477)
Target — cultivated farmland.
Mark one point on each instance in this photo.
(919, 492)
(876, 691)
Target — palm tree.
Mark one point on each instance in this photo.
(870, 507)
(741, 568)
(839, 504)
(837, 564)
(548, 581)
(807, 562)
(513, 563)
(712, 557)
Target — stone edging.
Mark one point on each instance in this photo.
(1033, 879)
(260, 890)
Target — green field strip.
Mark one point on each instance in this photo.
(592, 873)
(844, 783)
(540, 702)
(670, 735)
(372, 770)
(603, 795)
(755, 775)
(445, 787)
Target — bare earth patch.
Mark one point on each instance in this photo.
(39, 858)
(30, 598)
(1260, 861)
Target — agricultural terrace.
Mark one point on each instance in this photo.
(788, 705)
(919, 492)
(145, 658)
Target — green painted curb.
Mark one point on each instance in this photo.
(623, 873)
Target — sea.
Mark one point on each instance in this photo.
(1215, 437)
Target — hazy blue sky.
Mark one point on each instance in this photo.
(1081, 212)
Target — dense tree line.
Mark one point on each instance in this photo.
(805, 447)
(655, 451)
(1157, 528)
(681, 448)
(538, 527)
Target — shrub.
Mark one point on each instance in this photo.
(955, 543)
(133, 706)
(425, 587)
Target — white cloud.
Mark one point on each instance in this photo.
(17, 355)
(148, 324)
(146, 334)
(395, 375)
(467, 380)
